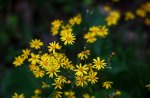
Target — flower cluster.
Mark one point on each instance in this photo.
(55, 64)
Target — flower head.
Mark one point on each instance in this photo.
(36, 43)
(107, 84)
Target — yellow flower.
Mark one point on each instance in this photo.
(68, 38)
(147, 21)
(146, 6)
(81, 70)
(34, 58)
(81, 81)
(92, 77)
(94, 29)
(107, 8)
(18, 61)
(99, 64)
(129, 16)
(75, 20)
(52, 70)
(90, 37)
(87, 96)
(57, 84)
(55, 26)
(44, 61)
(66, 64)
(148, 86)
(26, 53)
(36, 44)
(141, 12)
(61, 79)
(103, 31)
(32, 67)
(113, 18)
(70, 94)
(45, 85)
(18, 96)
(57, 94)
(107, 84)
(37, 92)
(53, 46)
(118, 93)
(89, 66)
(84, 54)
(38, 72)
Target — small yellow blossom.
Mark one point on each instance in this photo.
(18, 61)
(70, 94)
(57, 84)
(55, 27)
(81, 70)
(75, 20)
(37, 92)
(34, 58)
(107, 84)
(68, 38)
(113, 18)
(18, 96)
(81, 81)
(148, 86)
(118, 93)
(103, 31)
(57, 94)
(147, 21)
(99, 64)
(87, 96)
(38, 72)
(61, 79)
(53, 46)
(129, 16)
(26, 53)
(92, 77)
(52, 70)
(45, 85)
(90, 37)
(84, 54)
(141, 12)
(36, 44)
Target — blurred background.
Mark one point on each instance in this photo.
(23, 20)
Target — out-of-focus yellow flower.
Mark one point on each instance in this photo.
(26, 53)
(107, 84)
(103, 31)
(99, 64)
(36, 43)
(56, 24)
(148, 86)
(118, 93)
(87, 96)
(37, 91)
(61, 79)
(107, 8)
(113, 18)
(17, 95)
(146, 6)
(45, 85)
(81, 81)
(38, 72)
(57, 94)
(70, 94)
(147, 21)
(84, 54)
(129, 16)
(18, 61)
(90, 37)
(75, 20)
(57, 84)
(141, 12)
